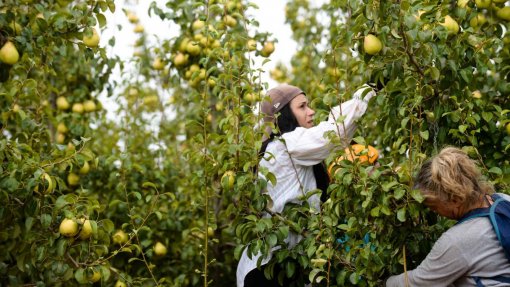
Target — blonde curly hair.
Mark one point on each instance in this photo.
(452, 176)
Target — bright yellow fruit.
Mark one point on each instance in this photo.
(252, 45)
(120, 237)
(51, 185)
(229, 21)
(139, 28)
(228, 180)
(78, 108)
(73, 179)
(478, 20)
(250, 97)
(180, 59)
(85, 168)
(157, 64)
(86, 230)
(160, 249)
(476, 94)
(504, 13)
(508, 129)
(193, 48)
(451, 25)
(61, 128)
(60, 138)
(9, 54)
(197, 25)
(120, 284)
(68, 227)
(132, 17)
(89, 106)
(96, 276)
(62, 103)
(92, 41)
(483, 4)
(268, 49)
(372, 45)
(463, 3)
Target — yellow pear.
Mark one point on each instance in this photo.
(73, 179)
(68, 227)
(9, 54)
(193, 48)
(180, 59)
(229, 21)
(476, 94)
(268, 49)
(62, 103)
(78, 108)
(60, 138)
(478, 20)
(197, 25)
(120, 237)
(483, 4)
(504, 13)
(96, 276)
(508, 129)
(160, 249)
(89, 106)
(86, 230)
(85, 168)
(252, 45)
(61, 128)
(139, 28)
(372, 45)
(228, 179)
(157, 64)
(92, 41)
(132, 17)
(451, 25)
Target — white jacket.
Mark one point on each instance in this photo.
(293, 156)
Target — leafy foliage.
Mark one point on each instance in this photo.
(178, 166)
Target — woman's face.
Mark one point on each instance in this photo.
(302, 112)
(448, 209)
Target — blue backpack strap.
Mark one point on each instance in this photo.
(499, 215)
(478, 212)
(502, 279)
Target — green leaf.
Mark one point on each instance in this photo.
(416, 194)
(45, 220)
(496, 170)
(487, 116)
(354, 278)
(28, 223)
(271, 178)
(424, 135)
(101, 19)
(399, 193)
(375, 211)
(401, 214)
(81, 276)
(387, 186)
(290, 269)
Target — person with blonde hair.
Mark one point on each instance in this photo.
(470, 253)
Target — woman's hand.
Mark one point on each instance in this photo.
(364, 93)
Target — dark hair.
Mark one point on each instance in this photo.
(287, 122)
